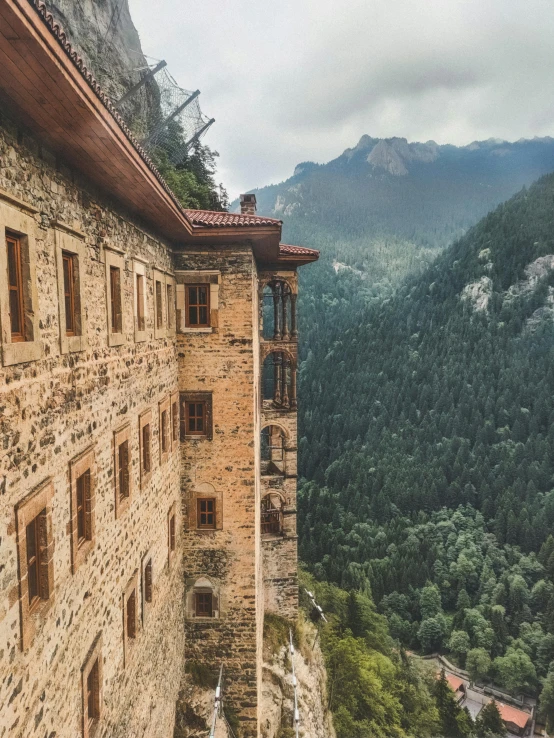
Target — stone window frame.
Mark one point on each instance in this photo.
(206, 490)
(171, 549)
(115, 259)
(23, 225)
(145, 418)
(77, 466)
(72, 242)
(201, 276)
(140, 268)
(120, 435)
(148, 558)
(203, 585)
(205, 397)
(130, 642)
(164, 406)
(171, 309)
(26, 511)
(175, 421)
(94, 656)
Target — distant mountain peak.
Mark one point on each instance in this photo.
(393, 154)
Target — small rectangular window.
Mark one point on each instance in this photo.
(170, 305)
(33, 559)
(92, 701)
(197, 308)
(83, 507)
(141, 320)
(15, 287)
(159, 306)
(132, 615)
(196, 418)
(146, 459)
(69, 293)
(175, 421)
(148, 581)
(115, 297)
(206, 512)
(172, 533)
(204, 604)
(123, 458)
(165, 431)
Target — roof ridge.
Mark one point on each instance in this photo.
(60, 35)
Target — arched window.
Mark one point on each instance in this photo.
(203, 599)
(273, 451)
(278, 312)
(279, 380)
(272, 514)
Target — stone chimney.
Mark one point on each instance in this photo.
(248, 204)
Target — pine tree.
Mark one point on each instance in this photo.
(489, 724)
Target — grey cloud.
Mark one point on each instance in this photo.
(304, 79)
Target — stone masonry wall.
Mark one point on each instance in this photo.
(223, 361)
(50, 411)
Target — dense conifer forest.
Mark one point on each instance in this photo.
(426, 438)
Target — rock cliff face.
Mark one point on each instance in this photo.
(104, 34)
(278, 694)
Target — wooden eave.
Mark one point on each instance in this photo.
(54, 100)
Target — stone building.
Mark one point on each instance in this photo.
(148, 416)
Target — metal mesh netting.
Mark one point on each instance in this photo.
(163, 115)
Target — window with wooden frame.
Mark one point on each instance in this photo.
(140, 305)
(70, 258)
(197, 305)
(196, 415)
(145, 444)
(19, 317)
(15, 288)
(171, 533)
(170, 305)
(115, 298)
(130, 615)
(82, 475)
(69, 284)
(205, 513)
(122, 469)
(159, 305)
(115, 269)
(164, 429)
(35, 546)
(148, 581)
(203, 604)
(174, 420)
(91, 687)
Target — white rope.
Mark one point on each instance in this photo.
(217, 703)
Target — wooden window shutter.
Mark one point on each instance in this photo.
(88, 505)
(115, 287)
(148, 582)
(42, 522)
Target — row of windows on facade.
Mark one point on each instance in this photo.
(197, 297)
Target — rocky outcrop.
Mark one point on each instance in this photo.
(278, 694)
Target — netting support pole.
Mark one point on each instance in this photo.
(169, 118)
(143, 81)
(197, 135)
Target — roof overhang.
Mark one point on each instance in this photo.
(53, 95)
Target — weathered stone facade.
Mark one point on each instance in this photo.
(147, 483)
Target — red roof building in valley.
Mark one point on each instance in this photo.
(515, 720)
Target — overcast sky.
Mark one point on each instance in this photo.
(295, 80)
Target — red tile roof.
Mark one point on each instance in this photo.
(286, 249)
(213, 219)
(513, 715)
(455, 682)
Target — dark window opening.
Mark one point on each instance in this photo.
(204, 604)
(115, 297)
(196, 418)
(83, 508)
(206, 513)
(159, 306)
(123, 461)
(69, 281)
(132, 615)
(172, 533)
(165, 431)
(93, 695)
(15, 288)
(197, 308)
(146, 463)
(141, 321)
(148, 581)
(272, 515)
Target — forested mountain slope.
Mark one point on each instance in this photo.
(386, 206)
(427, 433)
